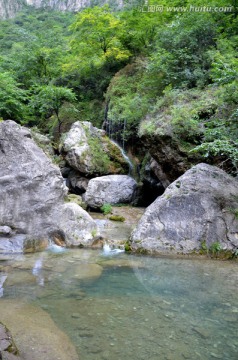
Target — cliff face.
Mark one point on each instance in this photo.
(71, 5)
(8, 8)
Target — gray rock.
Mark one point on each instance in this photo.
(110, 189)
(76, 147)
(78, 225)
(9, 8)
(8, 349)
(12, 244)
(199, 208)
(90, 152)
(43, 142)
(32, 193)
(157, 170)
(77, 182)
(65, 171)
(151, 187)
(5, 230)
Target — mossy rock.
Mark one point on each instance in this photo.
(77, 199)
(117, 218)
(127, 246)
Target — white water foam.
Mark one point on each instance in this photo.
(56, 248)
(107, 250)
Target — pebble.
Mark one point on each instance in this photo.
(216, 356)
(75, 315)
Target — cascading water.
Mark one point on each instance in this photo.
(107, 250)
(125, 156)
(55, 248)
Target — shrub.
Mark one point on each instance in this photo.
(106, 209)
(215, 248)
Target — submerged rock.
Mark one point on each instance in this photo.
(32, 193)
(35, 333)
(197, 211)
(87, 271)
(110, 189)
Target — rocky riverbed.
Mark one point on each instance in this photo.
(87, 304)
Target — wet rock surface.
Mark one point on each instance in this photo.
(195, 212)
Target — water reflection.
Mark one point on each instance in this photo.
(117, 306)
(2, 280)
(37, 271)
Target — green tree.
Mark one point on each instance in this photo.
(97, 33)
(12, 98)
(48, 100)
(182, 56)
(225, 61)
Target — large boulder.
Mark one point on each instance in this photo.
(78, 226)
(32, 192)
(110, 189)
(197, 211)
(90, 152)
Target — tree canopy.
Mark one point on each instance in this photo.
(118, 65)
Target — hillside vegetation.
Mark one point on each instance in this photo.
(135, 73)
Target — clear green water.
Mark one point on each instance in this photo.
(128, 307)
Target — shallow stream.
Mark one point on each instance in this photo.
(117, 306)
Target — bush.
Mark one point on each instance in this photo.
(106, 209)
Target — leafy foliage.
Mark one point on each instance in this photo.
(97, 35)
(12, 98)
(132, 71)
(100, 159)
(49, 99)
(106, 209)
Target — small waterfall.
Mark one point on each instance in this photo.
(52, 247)
(107, 250)
(129, 162)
